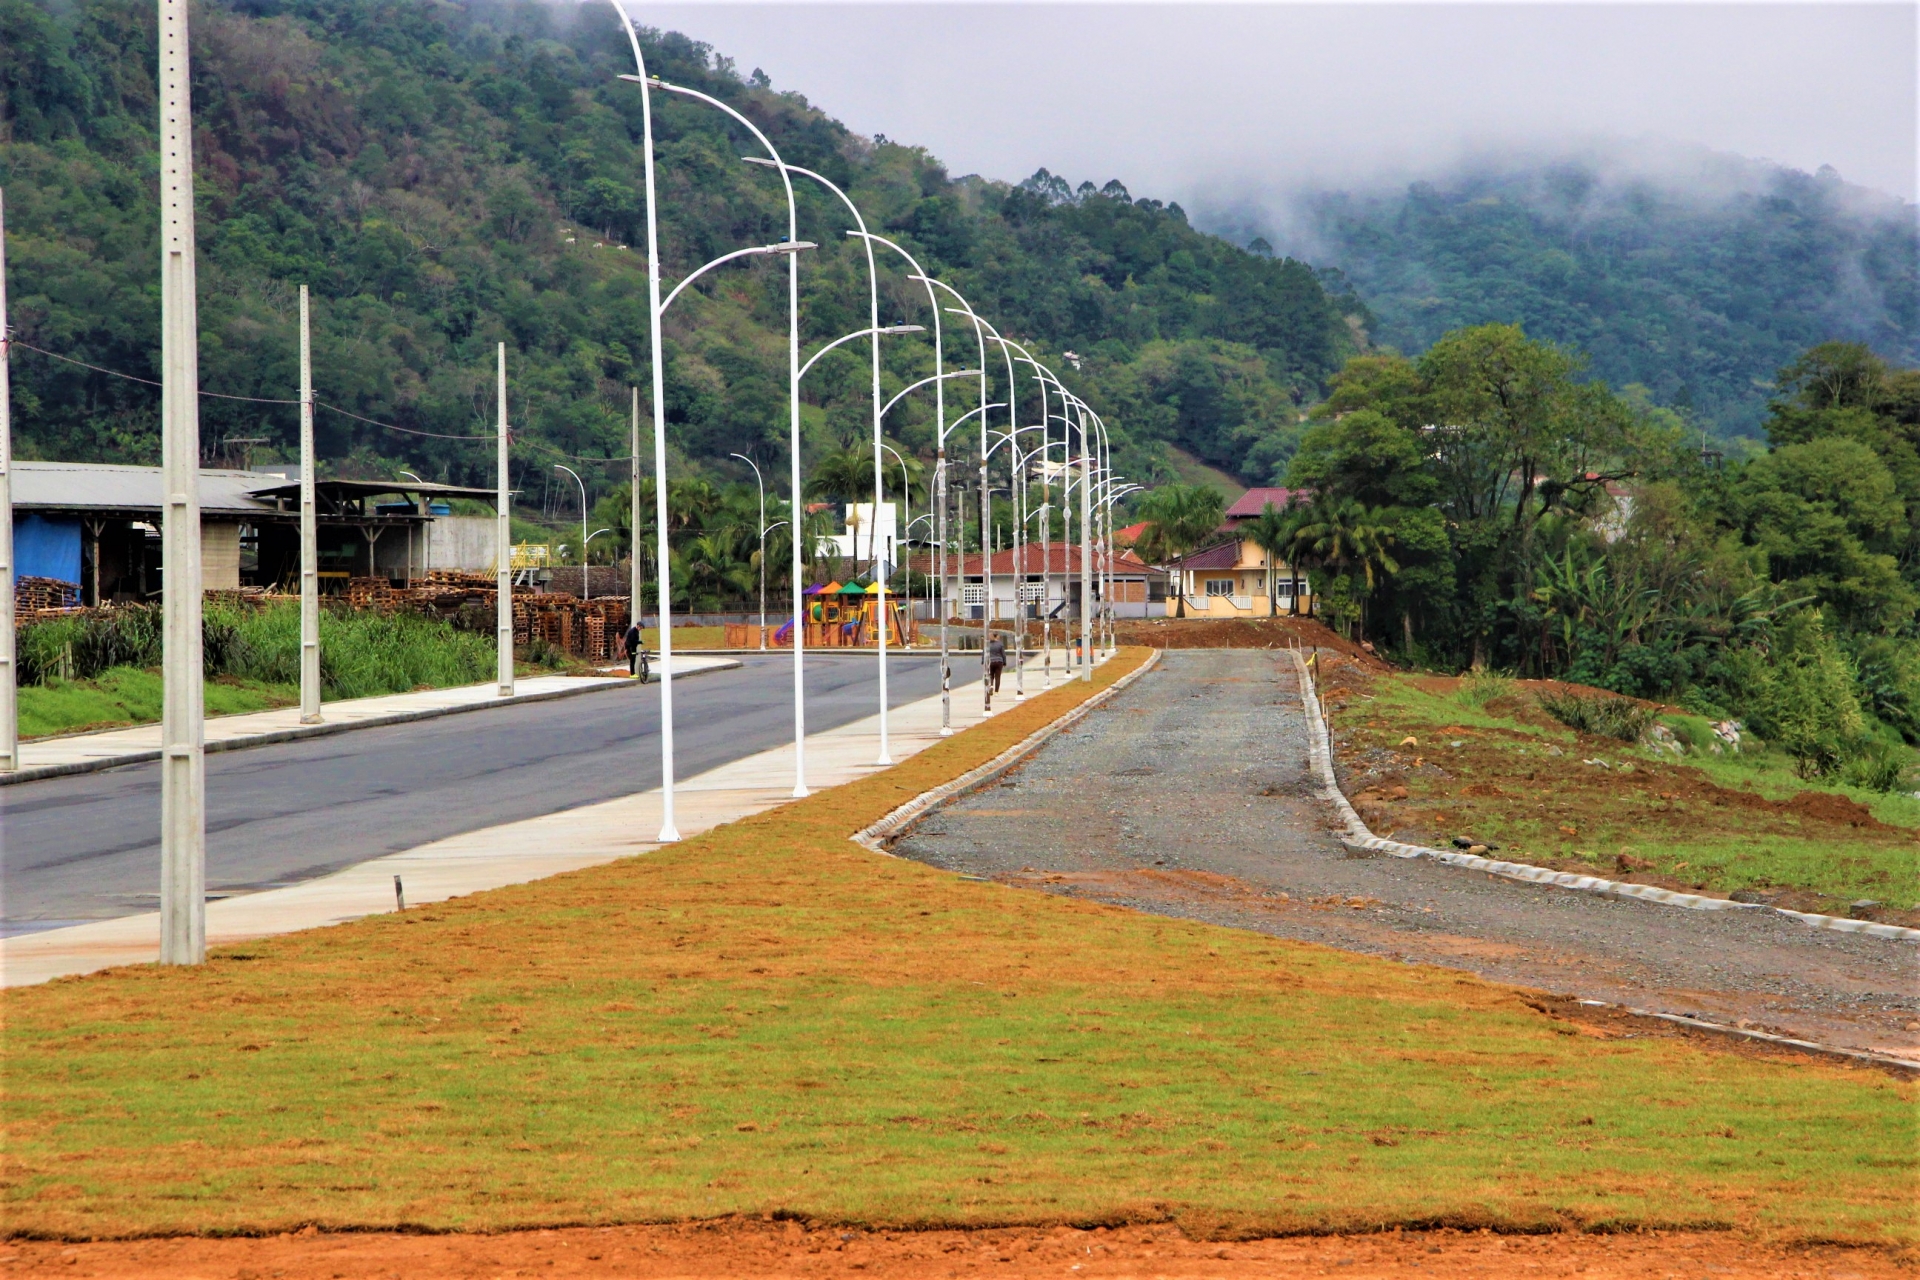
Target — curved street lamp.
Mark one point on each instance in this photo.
(761, 485)
(586, 588)
(793, 381)
(873, 540)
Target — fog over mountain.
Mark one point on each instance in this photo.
(1691, 272)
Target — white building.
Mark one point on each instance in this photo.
(863, 538)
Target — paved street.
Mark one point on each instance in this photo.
(87, 847)
(1188, 795)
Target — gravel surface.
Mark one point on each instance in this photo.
(1189, 795)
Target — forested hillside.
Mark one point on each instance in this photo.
(448, 176)
(1700, 283)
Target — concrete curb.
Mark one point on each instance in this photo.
(901, 820)
(1357, 836)
(327, 729)
(1765, 1037)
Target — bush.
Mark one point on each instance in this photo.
(1888, 677)
(1478, 688)
(1622, 718)
(361, 654)
(81, 646)
(1801, 696)
(1877, 767)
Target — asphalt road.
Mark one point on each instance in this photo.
(1189, 795)
(87, 847)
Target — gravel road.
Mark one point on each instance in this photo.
(1188, 795)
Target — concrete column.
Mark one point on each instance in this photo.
(9, 673)
(309, 536)
(183, 836)
(503, 541)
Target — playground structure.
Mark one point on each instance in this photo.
(838, 616)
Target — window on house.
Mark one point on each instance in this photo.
(973, 595)
(1031, 591)
(1220, 586)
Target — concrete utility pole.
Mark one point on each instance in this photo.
(183, 819)
(1086, 550)
(633, 517)
(503, 542)
(9, 696)
(309, 536)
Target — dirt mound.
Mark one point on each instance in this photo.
(1239, 633)
(1825, 806)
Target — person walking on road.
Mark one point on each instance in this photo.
(636, 652)
(996, 663)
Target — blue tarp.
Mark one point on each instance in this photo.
(44, 548)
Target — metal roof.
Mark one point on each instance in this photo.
(372, 488)
(98, 486)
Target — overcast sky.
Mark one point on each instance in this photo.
(1201, 103)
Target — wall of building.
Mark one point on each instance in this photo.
(459, 542)
(46, 548)
(220, 555)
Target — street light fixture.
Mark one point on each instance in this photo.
(873, 325)
(586, 584)
(649, 83)
(761, 485)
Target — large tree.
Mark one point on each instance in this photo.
(1179, 517)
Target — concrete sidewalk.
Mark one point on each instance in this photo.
(512, 853)
(111, 748)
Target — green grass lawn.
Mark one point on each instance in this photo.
(129, 695)
(768, 1018)
(1520, 779)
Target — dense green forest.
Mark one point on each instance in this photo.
(448, 176)
(1699, 283)
(1550, 527)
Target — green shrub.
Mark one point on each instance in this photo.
(1478, 688)
(1887, 672)
(1801, 696)
(361, 654)
(1876, 767)
(1612, 717)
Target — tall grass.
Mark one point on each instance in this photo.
(1478, 688)
(361, 654)
(1613, 717)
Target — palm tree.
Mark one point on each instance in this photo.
(1179, 517)
(844, 475)
(1272, 532)
(1347, 537)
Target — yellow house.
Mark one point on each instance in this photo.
(1230, 581)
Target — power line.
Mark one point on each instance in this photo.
(220, 395)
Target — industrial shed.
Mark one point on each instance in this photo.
(98, 525)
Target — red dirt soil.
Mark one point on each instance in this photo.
(769, 1249)
(1240, 633)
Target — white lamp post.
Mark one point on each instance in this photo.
(761, 485)
(873, 327)
(586, 582)
(793, 390)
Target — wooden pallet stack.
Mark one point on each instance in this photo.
(31, 595)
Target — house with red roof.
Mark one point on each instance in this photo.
(1043, 580)
(1250, 504)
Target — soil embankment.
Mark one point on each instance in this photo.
(775, 1249)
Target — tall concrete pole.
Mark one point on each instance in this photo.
(633, 515)
(9, 695)
(503, 539)
(1086, 551)
(183, 819)
(309, 535)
